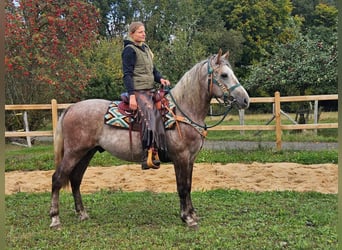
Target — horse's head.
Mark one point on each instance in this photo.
(223, 83)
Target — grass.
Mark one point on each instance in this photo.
(230, 219)
(40, 157)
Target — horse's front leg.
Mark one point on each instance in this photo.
(184, 181)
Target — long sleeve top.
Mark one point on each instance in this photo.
(129, 58)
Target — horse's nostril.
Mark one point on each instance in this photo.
(246, 102)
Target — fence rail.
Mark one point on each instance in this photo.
(54, 107)
(276, 100)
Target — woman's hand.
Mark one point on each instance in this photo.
(133, 102)
(165, 82)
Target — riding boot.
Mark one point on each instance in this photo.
(147, 161)
(156, 160)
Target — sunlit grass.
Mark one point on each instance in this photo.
(230, 219)
(41, 157)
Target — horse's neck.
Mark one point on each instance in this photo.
(192, 95)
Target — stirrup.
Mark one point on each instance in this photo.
(156, 160)
(150, 163)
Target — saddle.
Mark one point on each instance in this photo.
(120, 115)
(158, 98)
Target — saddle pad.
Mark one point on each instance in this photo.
(169, 119)
(116, 118)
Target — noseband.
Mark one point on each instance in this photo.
(212, 79)
(227, 98)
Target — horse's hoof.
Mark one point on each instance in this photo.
(84, 216)
(55, 224)
(192, 223)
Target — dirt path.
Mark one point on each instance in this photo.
(250, 177)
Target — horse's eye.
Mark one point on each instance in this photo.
(224, 75)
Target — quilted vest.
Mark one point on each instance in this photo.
(143, 77)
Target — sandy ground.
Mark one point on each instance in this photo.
(249, 177)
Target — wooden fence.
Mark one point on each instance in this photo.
(276, 100)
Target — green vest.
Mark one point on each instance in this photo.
(143, 77)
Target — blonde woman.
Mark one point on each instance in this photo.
(140, 75)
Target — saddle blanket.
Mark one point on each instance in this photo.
(117, 117)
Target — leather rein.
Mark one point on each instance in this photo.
(227, 98)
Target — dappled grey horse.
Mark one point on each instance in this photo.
(81, 132)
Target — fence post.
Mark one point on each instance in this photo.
(242, 120)
(27, 129)
(277, 119)
(316, 114)
(54, 111)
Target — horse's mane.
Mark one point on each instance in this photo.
(190, 80)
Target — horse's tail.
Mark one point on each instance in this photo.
(58, 141)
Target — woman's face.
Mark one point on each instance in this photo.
(139, 35)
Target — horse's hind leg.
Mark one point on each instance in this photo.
(76, 177)
(60, 178)
(57, 184)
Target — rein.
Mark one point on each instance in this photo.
(227, 102)
(195, 124)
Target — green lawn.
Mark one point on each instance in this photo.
(40, 157)
(230, 219)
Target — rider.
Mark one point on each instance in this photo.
(139, 75)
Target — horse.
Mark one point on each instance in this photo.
(81, 132)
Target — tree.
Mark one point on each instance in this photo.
(105, 59)
(309, 11)
(186, 32)
(303, 66)
(116, 15)
(325, 15)
(261, 23)
(179, 32)
(44, 43)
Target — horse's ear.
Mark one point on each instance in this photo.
(219, 54)
(226, 55)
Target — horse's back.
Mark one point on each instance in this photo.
(84, 120)
(88, 109)
(91, 104)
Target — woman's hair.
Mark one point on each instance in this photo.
(134, 26)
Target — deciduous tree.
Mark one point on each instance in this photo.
(105, 59)
(303, 66)
(261, 23)
(44, 43)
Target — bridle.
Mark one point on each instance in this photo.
(213, 79)
(227, 98)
